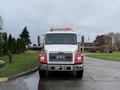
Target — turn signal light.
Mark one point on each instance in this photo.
(78, 58)
(43, 57)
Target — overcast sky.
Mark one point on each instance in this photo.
(86, 17)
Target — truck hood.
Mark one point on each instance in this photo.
(60, 48)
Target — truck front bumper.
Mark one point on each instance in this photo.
(61, 67)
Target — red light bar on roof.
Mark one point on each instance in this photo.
(69, 29)
(65, 29)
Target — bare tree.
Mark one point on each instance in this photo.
(115, 40)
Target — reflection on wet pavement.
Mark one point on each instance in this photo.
(66, 81)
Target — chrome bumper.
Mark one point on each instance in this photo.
(61, 67)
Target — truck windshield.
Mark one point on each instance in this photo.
(61, 39)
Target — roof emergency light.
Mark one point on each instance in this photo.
(64, 29)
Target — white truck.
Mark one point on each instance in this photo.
(61, 53)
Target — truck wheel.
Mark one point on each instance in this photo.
(79, 74)
(42, 73)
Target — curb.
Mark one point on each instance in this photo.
(5, 79)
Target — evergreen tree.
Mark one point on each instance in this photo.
(23, 44)
(25, 35)
(18, 45)
(14, 47)
(10, 43)
(1, 43)
(5, 45)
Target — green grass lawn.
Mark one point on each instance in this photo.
(21, 62)
(107, 56)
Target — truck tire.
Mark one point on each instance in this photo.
(42, 73)
(79, 74)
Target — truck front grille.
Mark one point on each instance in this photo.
(60, 57)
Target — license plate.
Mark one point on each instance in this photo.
(57, 67)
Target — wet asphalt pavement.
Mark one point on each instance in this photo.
(98, 75)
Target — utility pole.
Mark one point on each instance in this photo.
(82, 42)
(39, 43)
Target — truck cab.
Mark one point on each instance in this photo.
(61, 53)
